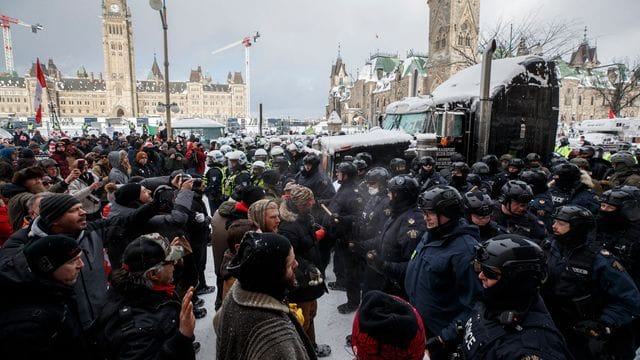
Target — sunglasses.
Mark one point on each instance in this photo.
(488, 271)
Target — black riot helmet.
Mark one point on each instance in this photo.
(491, 161)
(581, 220)
(457, 157)
(427, 160)
(311, 159)
(517, 163)
(536, 178)
(516, 190)
(347, 168)
(361, 165)
(566, 176)
(557, 160)
(378, 175)
(366, 157)
(474, 179)
(478, 202)
(480, 168)
(511, 257)
(586, 151)
(622, 160)
(462, 167)
(626, 198)
(397, 166)
(405, 191)
(531, 157)
(443, 200)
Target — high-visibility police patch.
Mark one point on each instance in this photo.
(579, 270)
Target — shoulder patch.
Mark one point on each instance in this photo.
(413, 234)
(616, 265)
(387, 212)
(411, 221)
(605, 252)
(530, 357)
(541, 213)
(541, 201)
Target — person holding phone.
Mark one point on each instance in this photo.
(85, 188)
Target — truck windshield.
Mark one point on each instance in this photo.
(409, 123)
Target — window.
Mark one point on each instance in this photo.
(580, 100)
(592, 100)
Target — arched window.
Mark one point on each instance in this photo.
(118, 90)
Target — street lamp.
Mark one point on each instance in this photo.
(161, 7)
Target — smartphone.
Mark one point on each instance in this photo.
(81, 164)
(197, 183)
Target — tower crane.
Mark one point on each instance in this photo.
(5, 22)
(247, 41)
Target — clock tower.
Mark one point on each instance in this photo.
(117, 46)
(454, 27)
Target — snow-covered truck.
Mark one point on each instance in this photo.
(521, 113)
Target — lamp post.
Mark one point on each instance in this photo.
(167, 106)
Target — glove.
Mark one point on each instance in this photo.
(374, 261)
(320, 234)
(315, 276)
(594, 329)
(200, 217)
(336, 218)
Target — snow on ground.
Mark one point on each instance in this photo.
(331, 326)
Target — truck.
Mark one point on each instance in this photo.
(517, 114)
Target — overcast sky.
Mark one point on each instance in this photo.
(291, 62)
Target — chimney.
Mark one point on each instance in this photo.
(91, 76)
(100, 76)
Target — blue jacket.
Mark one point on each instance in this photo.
(440, 279)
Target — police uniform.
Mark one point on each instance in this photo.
(213, 182)
(533, 337)
(231, 179)
(587, 283)
(581, 196)
(526, 225)
(542, 207)
(396, 243)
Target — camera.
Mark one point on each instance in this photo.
(81, 164)
(197, 183)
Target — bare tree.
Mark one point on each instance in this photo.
(619, 84)
(555, 37)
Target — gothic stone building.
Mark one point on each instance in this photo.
(453, 37)
(118, 93)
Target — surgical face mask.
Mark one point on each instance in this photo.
(373, 191)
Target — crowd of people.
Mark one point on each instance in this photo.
(104, 246)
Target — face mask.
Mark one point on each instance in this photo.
(373, 190)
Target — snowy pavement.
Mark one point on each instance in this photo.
(331, 326)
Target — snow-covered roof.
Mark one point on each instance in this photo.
(466, 83)
(195, 123)
(376, 137)
(410, 105)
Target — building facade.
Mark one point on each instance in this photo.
(385, 78)
(118, 93)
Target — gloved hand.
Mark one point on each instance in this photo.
(200, 217)
(594, 329)
(315, 276)
(336, 218)
(320, 234)
(374, 261)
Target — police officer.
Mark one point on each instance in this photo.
(534, 161)
(237, 173)
(399, 237)
(213, 180)
(619, 227)
(510, 320)
(563, 149)
(345, 208)
(625, 171)
(512, 212)
(478, 208)
(591, 297)
(310, 176)
(427, 176)
(598, 166)
(376, 210)
(459, 173)
(496, 177)
(440, 280)
(516, 165)
(485, 180)
(542, 205)
(398, 166)
(568, 189)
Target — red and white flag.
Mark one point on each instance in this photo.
(40, 83)
(611, 114)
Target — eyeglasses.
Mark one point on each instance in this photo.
(488, 271)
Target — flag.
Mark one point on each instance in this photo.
(611, 114)
(40, 83)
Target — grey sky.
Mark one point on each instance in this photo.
(292, 60)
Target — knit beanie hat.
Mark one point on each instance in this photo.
(21, 177)
(301, 196)
(128, 194)
(27, 153)
(248, 194)
(258, 211)
(387, 327)
(260, 264)
(149, 250)
(44, 255)
(53, 207)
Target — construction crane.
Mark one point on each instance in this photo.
(247, 41)
(5, 22)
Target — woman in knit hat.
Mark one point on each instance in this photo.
(141, 166)
(299, 227)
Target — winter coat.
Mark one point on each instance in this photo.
(299, 230)
(83, 192)
(38, 317)
(144, 326)
(91, 287)
(5, 226)
(440, 280)
(219, 231)
(253, 325)
(118, 173)
(318, 182)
